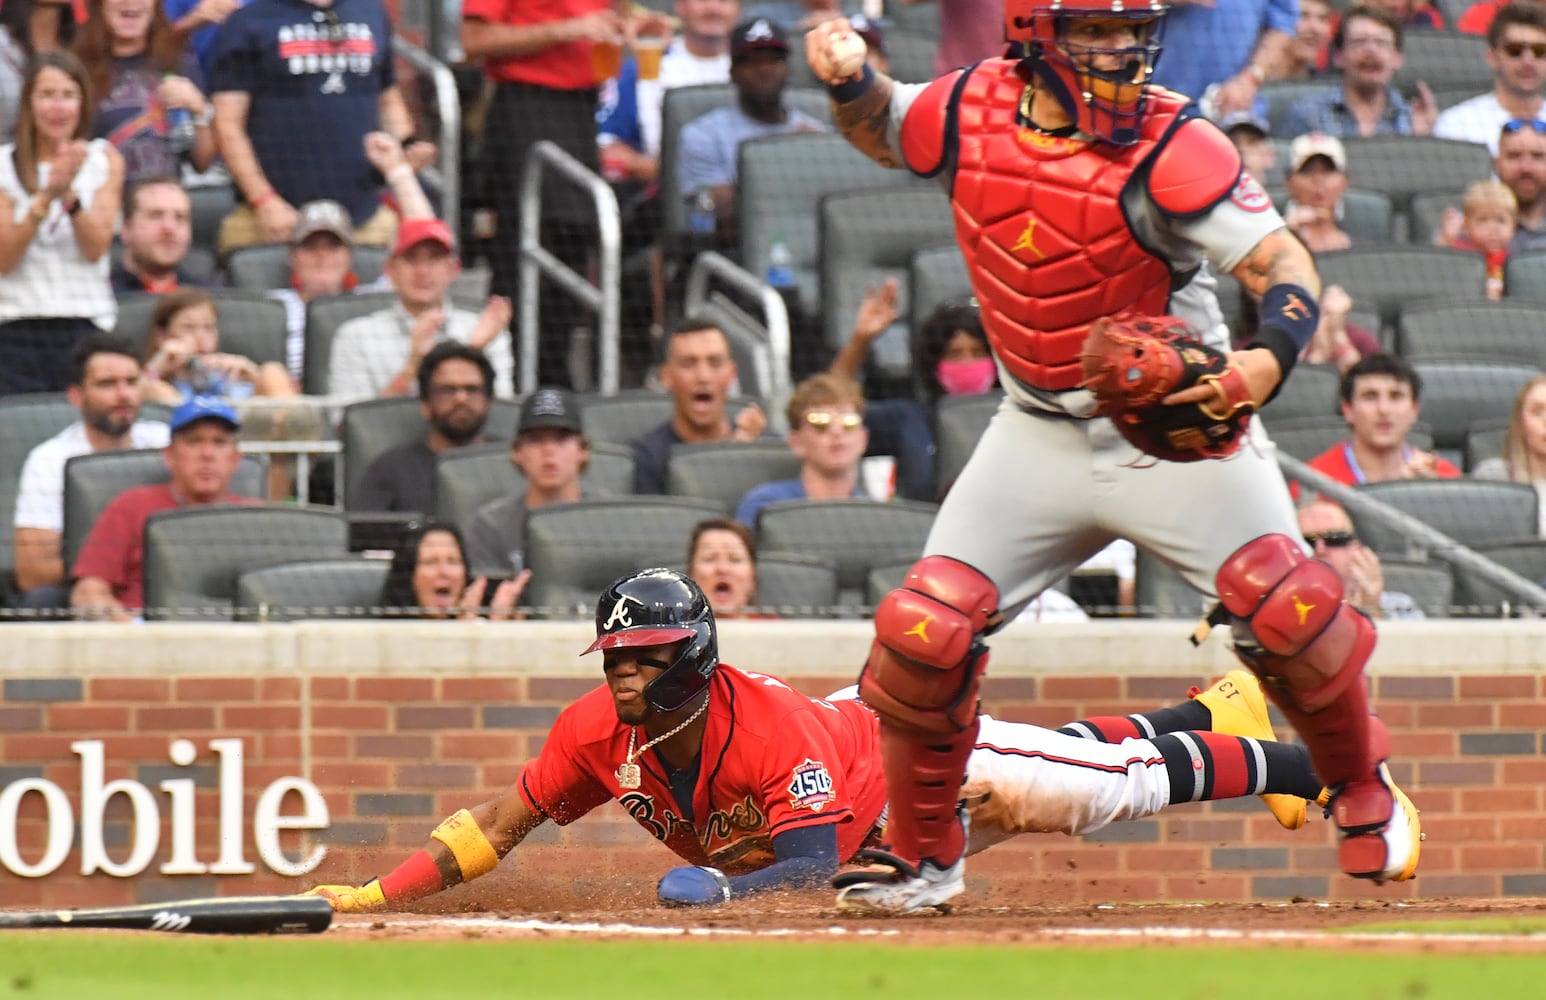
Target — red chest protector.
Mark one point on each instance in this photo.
(1040, 221)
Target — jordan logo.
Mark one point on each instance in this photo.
(1303, 609)
(1027, 241)
(921, 630)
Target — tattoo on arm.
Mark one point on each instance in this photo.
(1278, 259)
(865, 120)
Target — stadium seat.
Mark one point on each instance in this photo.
(1457, 394)
(1282, 96)
(1443, 59)
(323, 318)
(1367, 216)
(1509, 332)
(262, 268)
(1473, 512)
(574, 550)
(250, 325)
(92, 481)
(723, 471)
(1425, 214)
(1406, 165)
(792, 585)
(26, 421)
(193, 556)
(857, 535)
(1524, 276)
(1485, 439)
(1306, 437)
(1160, 591)
(935, 275)
(211, 204)
(958, 423)
(1430, 585)
(377, 425)
(316, 588)
(1389, 278)
(1311, 391)
(1525, 556)
(866, 237)
(882, 580)
(467, 478)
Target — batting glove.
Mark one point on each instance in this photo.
(693, 886)
(367, 898)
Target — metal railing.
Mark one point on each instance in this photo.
(771, 357)
(604, 297)
(446, 176)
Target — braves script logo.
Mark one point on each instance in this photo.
(724, 824)
(642, 808)
(620, 615)
(168, 920)
(1249, 195)
(810, 786)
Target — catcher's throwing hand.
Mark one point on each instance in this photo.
(367, 898)
(1169, 395)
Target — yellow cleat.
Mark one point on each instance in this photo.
(1240, 709)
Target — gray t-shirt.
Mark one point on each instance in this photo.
(495, 535)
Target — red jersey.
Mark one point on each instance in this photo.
(772, 760)
(566, 66)
(1338, 462)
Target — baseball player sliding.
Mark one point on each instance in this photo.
(758, 787)
(1088, 205)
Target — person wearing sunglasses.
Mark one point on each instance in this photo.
(1328, 532)
(1516, 51)
(827, 435)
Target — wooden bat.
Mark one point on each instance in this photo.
(227, 915)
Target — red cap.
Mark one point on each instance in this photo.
(412, 232)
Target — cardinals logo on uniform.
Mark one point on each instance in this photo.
(1249, 195)
(810, 786)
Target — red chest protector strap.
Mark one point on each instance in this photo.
(1196, 169)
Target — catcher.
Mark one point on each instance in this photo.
(758, 787)
(1092, 208)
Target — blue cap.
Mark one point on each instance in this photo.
(204, 408)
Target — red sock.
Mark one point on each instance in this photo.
(1205, 765)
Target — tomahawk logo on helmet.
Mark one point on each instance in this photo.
(1099, 84)
(656, 607)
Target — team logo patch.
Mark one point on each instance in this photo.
(810, 786)
(1249, 195)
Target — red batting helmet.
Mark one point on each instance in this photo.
(1108, 103)
(655, 607)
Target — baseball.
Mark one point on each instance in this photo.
(845, 53)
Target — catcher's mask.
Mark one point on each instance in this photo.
(1100, 86)
(654, 607)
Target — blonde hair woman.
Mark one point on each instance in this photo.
(1524, 449)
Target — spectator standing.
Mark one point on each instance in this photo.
(1317, 179)
(1520, 165)
(827, 435)
(698, 372)
(59, 197)
(1486, 222)
(699, 54)
(198, 21)
(1328, 532)
(105, 387)
(455, 384)
(1236, 46)
(380, 354)
(202, 457)
(1380, 401)
(297, 85)
(969, 31)
(157, 232)
(1524, 448)
(1367, 49)
(550, 451)
(1516, 51)
(428, 578)
(142, 79)
(707, 146)
(28, 27)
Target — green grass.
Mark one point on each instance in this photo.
(1454, 925)
(76, 965)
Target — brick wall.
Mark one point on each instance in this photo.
(399, 725)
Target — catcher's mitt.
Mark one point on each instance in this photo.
(1132, 364)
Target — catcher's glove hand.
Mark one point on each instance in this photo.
(366, 898)
(1133, 365)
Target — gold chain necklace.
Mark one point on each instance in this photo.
(628, 774)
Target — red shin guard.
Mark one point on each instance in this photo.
(924, 774)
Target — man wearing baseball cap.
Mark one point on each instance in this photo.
(759, 69)
(380, 354)
(202, 458)
(1317, 179)
(550, 452)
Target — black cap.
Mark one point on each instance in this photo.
(758, 33)
(550, 408)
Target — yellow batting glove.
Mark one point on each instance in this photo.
(367, 898)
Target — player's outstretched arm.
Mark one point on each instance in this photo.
(464, 846)
(804, 858)
(861, 97)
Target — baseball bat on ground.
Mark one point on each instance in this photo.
(228, 915)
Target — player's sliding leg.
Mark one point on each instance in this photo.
(921, 678)
(1308, 646)
(1233, 705)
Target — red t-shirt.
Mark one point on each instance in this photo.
(1337, 462)
(1478, 17)
(773, 760)
(115, 548)
(566, 66)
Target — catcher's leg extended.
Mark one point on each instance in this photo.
(1309, 647)
(922, 678)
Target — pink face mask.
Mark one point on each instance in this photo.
(966, 378)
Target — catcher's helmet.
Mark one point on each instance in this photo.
(1104, 103)
(657, 606)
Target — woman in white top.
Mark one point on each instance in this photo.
(59, 198)
(1524, 450)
